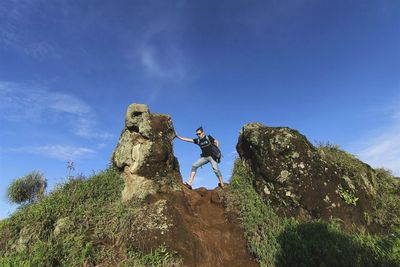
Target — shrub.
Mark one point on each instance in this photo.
(28, 188)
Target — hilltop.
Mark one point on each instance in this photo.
(288, 203)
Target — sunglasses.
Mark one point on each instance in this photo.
(199, 134)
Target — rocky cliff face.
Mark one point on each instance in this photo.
(144, 153)
(302, 181)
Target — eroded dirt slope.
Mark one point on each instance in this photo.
(204, 233)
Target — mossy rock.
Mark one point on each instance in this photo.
(305, 181)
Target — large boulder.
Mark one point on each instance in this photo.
(144, 153)
(306, 182)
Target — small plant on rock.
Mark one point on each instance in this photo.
(347, 196)
(28, 188)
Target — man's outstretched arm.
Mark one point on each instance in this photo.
(184, 139)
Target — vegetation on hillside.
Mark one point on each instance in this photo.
(386, 189)
(80, 223)
(278, 241)
(84, 223)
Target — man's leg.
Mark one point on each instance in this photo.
(216, 170)
(200, 162)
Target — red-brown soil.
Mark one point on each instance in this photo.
(204, 233)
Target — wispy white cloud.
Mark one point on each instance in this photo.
(11, 14)
(159, 50)
(21, 102)
(163, 62)
(41, 50)
(15, 33)
(383, 149)
(62, 152)
(101, 145)
(8, 35)
(86, 128)
(160, 55)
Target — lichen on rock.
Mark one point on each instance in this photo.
(297, 178)
(144, 153)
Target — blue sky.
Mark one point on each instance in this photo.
(69, 69)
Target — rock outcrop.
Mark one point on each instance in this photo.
(194, 223)
(302, 181)
(144, 153)
(84, 222)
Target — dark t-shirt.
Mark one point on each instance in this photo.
(204, 145)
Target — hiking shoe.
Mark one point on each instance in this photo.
(220, 185)
(188, 186)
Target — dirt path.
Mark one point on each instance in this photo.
(203, 233)
(218, 232)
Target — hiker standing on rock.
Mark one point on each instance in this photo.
(210, 153)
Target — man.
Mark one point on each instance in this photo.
(205, 144)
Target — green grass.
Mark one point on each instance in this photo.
(386, 205)
(159, 257)
(91, 224)
(277, 241)
(358, 172)
(261, 225)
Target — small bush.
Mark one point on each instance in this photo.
(27, 189)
